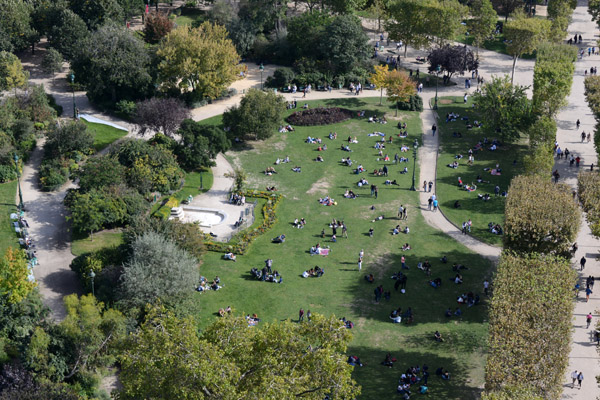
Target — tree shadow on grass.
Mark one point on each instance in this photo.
(380, 382)
(345, 102)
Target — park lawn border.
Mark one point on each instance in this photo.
(104, 135)
(8, 237)
(191, 186)
(106, 238)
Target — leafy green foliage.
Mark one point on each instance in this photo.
(67, 139)
(592, 95)
(52, 62)
(14, 282)
(158, 268)
(504, 108)
(12, 75)
(112, 64)
(100, 171)
(541, 217)
(199, 145)
(15, 29)
(16, 383)
(65, 29)
(588, 185)
(530, 325)
(259, 114)
(230, 360)
(482, 23)
(345, 44)
(524, 35)
(97, 13)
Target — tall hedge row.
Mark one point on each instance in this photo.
(592, 95)
(530, 326)
(540, 216)
(589, 194)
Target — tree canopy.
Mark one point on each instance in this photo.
(14, 282)
(229, 360)
(202, 59)
(160, 115)
(452, 59)
(199, 145)
(524, 35)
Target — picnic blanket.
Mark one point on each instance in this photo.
(324, 252)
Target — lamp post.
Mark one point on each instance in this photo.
(92, 276)
(415, 146)
(20, 207)
(437, 80)
(72, 77)
(261, 68)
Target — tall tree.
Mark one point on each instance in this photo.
(52, 62)
(156, 27)
(199, 145)
(160, 115)
(66, 31)
(112, 64)
(203, 59)
(231, 361)
(452, 59)
(97, 13)
(346, 43)
(482, 23)
(399, 86)
(504, 108)
(12, 75)
(507, 7)
(378, 78)
(524, 35)
(15, 28)
(259, 114)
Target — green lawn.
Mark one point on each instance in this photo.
(85, 244)
(8, 237)
(189, 16)
(104, 135)
(479, 211)
(343, 290)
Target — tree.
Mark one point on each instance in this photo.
(158, 268)
(482, 23)
(70, 137)
(378, 78)
(97, 13)
(240, 177)
(100, 171)
(222, 13)
(504, 108)
(524, 35)
(588, 191)
(540, 217)
(52, 62)
(16, 383)
(259, 114)
(231, 361)
(112, 64)
(199, 145)
(162, 115)
(445, 20)
(553, 77)
(559, 13)
(530, 324)
(305, 30)
(67, 29)
(15, 29)
(12, 75)
(594, 10)
(452, 59)
(156, 27)
(203, 59)
(399, 87)
(379, 9)
(14, 276)
(507, 7)
(87, 213)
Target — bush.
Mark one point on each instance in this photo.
(313, 78)
(7, 173)
(319, 116)
(125, 109)
(53, 174)
(541, 217)
(414, 103)
(530, 324)
(589, 194)
(57, 107)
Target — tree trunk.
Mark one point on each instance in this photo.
(512, 76)
(381, 95)
(405, 49)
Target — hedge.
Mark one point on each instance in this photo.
(541, 216)
(589, 195)
(239, 243)
(530, 324)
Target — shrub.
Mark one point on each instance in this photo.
(125, 109)
(530, 324)
(57, 107)
(414, 103)
(7, 173)
(53, 174)
(319, 116)
(281, 77)
(589, 194)
(313, 78)
(540, 216)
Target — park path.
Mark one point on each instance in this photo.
(584, 355)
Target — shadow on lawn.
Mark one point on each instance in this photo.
(418, 287)
(381, 382)
(345, 102)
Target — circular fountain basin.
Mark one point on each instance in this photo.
(205, 217)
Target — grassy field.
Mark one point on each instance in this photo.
(343, 290)
(8, 237)
(189, 16)
(86, 244)
(104, 135)
(193, 181)
(479, 211)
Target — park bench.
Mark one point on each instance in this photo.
(420, 60)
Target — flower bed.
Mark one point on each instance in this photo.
(319, 116)
(239, 243)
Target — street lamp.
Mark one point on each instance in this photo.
(437, 79)
(92, 276)
(261, 68)
(72, 77)
(20, 207)
(415, 146)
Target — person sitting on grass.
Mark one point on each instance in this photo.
(297, 169)
(370, 278)
(444, 259)
(270, 171)
(350, 194)
(406, 247)
(458, 312)
(458, 279)
(388, 182)
(279, 239)
(354, 361)
(389, 360)
(436, 283)
(230, 256)
(362, 182)
(319, 158)
(396, 230)
(438, 336)
(448, 312)
(271, 189)
(395, 316)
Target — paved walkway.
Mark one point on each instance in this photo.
(583, 356)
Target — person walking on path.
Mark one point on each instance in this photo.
(403, 262)
(401, 211)
(430, 185)
(582, 263)
(578, 123)
(433, 129)
(308, 315)
(486, 287)
(424, 186)
(588, 291)
(301, 315)
(583, 136)
(429, 203)
(580, 379)
(588, 320)
(435, 205)
(574, 376)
